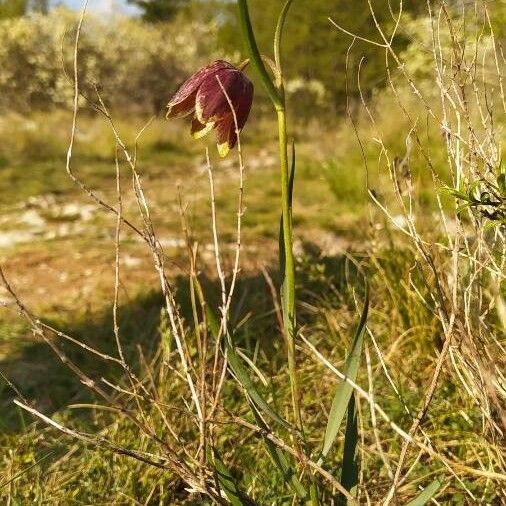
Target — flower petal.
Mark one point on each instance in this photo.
(225, 134)
(183, 108)
(243, 105)
(223, 149)
(182, 102)
(199, 129)
(226, 129)
(213, 103)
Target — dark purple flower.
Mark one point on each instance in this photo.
(206, 95)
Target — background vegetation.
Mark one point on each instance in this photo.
(364, 142)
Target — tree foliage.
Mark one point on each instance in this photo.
(159, 10)
(12, 8)
(315, 51)
(136, 66)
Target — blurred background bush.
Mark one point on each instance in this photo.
(134, 64)
(137, 61)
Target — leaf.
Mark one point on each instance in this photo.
(279, 32)
(455, 192)
(255, 57)
(426, 495)
(212, 322)
(493, 224)
(241, 373)
(315, 495)
(227, 483)
(501, 182)
(344, 390)
(253, 367)
(462, 208)
(280, 459)
(282, 256)
(349, 471)
(291, 181)
(292, 177)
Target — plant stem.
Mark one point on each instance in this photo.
(249, 38)
(276, 94)
(288, 287)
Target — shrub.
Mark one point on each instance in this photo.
(135, 65)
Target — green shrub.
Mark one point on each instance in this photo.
(134, 65)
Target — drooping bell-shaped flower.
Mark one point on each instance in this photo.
(213, 95)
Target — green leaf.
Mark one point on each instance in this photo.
(292, 177)
(349, 468)
(280, 459)
(212, 322)
(315, 495)
(345, 390)
(426, 495)
(242, 375)
(462, 208)
(501, 182)
(279, 32)
(291, 181)
(493, 224)
(227, 483)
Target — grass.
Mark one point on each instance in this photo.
(73, 474)
(371, 204)
(69, 279)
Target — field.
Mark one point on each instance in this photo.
(378, 213)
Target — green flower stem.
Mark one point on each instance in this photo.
(256, 58)
(289, 279)
(276, 95)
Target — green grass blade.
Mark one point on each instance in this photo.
(280, 460)
(227, 483)
(345, 390)
(315, 495)
(349, 468)
(426, 494)
(242, 375)
(26, 469)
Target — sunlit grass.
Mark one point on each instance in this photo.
(334, 223)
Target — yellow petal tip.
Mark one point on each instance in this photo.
(223, 149)
(198, 134)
